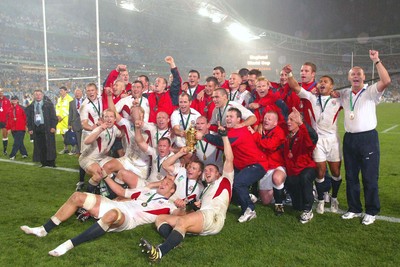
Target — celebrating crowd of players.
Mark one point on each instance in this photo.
(250, 132)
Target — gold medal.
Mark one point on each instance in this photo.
(204, 157)
(301, 104)
(290, 155)
(351, 116)
(155, 108)
(144, 204)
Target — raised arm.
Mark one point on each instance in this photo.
(384, 77)
(139, 136)
(111, 103)
(95, 134)
(228, 164)
(176, 81)
(168, 164)
(291, 80)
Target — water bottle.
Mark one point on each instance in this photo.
(103, 189)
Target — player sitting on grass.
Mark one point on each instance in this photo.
(208, 220)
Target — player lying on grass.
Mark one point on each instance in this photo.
(141, 206)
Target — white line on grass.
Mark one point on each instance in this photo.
(388, 129)
(378, 217)
(33, 164)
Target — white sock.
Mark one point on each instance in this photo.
(62, 249)
(37, 231)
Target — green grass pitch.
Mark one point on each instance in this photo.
(30, 195)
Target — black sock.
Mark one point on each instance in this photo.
(174, 239)
(278, 195)
(81, 174)
(49, 225)
(93, 232)
(335, 187)
(5, 143)
(165, 230)
(320, 189)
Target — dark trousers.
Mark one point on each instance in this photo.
(41, 146)
(18, 143)
(300, 188)
(243, 179)
(361, 153)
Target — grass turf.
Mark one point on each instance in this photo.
(30, 195)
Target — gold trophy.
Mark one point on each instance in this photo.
(191, 138)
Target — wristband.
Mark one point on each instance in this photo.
(290, 74)
(376, 63)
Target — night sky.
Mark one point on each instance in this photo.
(322, 19)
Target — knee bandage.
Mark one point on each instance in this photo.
(90, 201)
(118, 217)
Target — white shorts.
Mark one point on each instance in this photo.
(129, 165)
(213, 222)
(85, 162)
(107, 205)
(327, 149)
(266, 182)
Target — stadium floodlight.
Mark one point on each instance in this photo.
(241, 32)
(203, 10)
(212, 12)
(126, 4)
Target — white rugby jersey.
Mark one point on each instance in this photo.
(326, 110)
(132, 150)
(183, 121)
(241, 98)
(145, 206)
(91, 111)
(156, 134)
(185, 188)
(157, 172)
(124, 105)
(209, 154)
(217, 195)
(99, 149)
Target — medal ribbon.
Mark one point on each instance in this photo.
(161, 135)
(326, 102)
(351, 99)
(97, 109)
(183, 122)
(204, 191)
(219, 110)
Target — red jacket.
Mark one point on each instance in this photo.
(5, 105)
(245, 150)
(298, 150)
(225, 85)
(271, 143)
(16, 119)
(204, 107)
(267, 103)
(160, 102)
